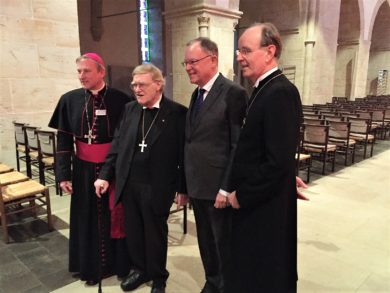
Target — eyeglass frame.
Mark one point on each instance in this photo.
(246, 51)
(194, 61)
(142, 85)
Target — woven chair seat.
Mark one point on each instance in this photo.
(4, 168)
(48, 161)
(339, 141)
(361, 137)
(302, 157)
(12, 177)
(319, 148)
(21, 190)
(21, 148)
(34, 155)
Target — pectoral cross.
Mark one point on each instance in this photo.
(142, 145)
(89, 136)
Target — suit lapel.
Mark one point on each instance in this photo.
(189, 125)
(133, 124)
(211, 98)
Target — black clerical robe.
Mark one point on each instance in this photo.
(264, 232)
(77, 113)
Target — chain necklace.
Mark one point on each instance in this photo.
(90, 136)
(143, 144)
(254, 98)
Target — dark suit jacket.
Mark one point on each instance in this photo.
(265, 227)
(166, 140)
(212, 137)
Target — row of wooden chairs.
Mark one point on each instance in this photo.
(329, 130)
(19, 194)
(36, 148)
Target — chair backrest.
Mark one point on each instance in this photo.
(339, 129)
(32, 138)
(313, 121)
(387, 114)
(333, 118)
(311, 116)
(378, 115)
(20, 135)
(359, 125)
(46, 142)
(365, 114)
(316, 134)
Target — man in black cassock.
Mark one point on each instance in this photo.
(264, 226)
(86, 118)
(146, 159)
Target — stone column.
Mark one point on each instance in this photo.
(184, 22)
(311, 8)
(203, 26)
(359, 81)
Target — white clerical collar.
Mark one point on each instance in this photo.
(95, 92)
(156, 105)
(269, 72)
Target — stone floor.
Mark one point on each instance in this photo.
(343, 240)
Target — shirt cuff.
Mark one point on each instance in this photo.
(223, 192)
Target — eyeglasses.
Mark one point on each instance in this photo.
(139, 85)
(246, 51)
(193, 61)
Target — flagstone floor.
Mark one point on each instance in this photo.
(343, 240)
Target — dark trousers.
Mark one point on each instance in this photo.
(146, 232)
(213, 227)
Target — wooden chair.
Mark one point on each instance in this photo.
(303, 161)
(316, 143)
(339, 134)
(18, 194)
(378, 121)
(31, 148)
(184, 210)
(21, 147)
(360, 132)
(46, 158)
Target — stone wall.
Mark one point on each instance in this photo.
(39, 45)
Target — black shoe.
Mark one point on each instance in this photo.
(133, 281)
(158, 287)
(158, 290)
(91, 282)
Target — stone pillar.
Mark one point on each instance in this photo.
(359, 81)
(324, 53)
(186, 21)
(203, 26)
(311, 8)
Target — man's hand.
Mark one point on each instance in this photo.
(101, 187)
(221, 201)
(233, 200)
(300, 184)
(66, 186)
(181, 199)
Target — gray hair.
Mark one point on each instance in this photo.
(150, 68)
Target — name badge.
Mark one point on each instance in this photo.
(101, 112)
